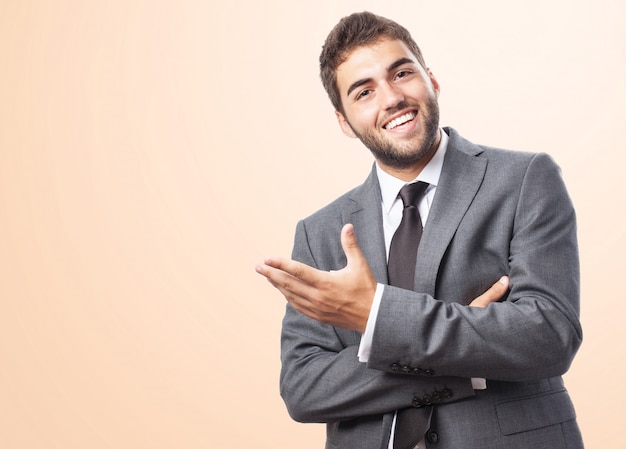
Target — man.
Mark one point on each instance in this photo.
(469, 354)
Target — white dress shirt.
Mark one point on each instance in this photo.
(392, 207)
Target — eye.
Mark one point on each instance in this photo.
(362, 94)
(403, 74)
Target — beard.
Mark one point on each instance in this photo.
(405, 156)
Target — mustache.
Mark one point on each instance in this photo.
(399, 107)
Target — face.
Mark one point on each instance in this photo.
(390, 104)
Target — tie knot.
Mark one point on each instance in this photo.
(411, 193)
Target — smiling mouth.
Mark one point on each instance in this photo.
(400, 120)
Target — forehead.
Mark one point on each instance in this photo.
(371, 61)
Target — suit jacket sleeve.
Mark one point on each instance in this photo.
(322, 379)
(526, 231)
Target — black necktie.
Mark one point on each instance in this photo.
(403, 250)
(411, 423)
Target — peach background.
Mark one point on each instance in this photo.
(137, 136)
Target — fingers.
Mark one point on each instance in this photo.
(495, 293)
(294, 289)
(340, 298)
(309, 274)
(306, 298)
(282, 273)
(274, 266)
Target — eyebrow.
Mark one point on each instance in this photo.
(393, 66)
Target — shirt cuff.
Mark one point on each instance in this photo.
(478, 383)
(368, 336)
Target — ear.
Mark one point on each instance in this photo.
(344, 125)
(434, 82)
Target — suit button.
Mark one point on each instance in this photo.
(447, 393)
(395, 367)
(426, 399)
(432, 437)
(406, 369)
(417, 402)
(429, 372)
(417, 371)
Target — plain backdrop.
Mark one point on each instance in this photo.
(153, 152)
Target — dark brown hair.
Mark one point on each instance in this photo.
(353, 31)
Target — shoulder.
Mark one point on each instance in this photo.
(503, 161)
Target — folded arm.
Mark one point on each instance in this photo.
(323, 381)
(534, 334)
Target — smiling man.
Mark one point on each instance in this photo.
(402, 132)
(435, 305)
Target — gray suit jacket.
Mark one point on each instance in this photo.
(495, 213)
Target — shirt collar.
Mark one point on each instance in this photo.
(390, 185)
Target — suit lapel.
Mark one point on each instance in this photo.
(366, 216)
(461, 177)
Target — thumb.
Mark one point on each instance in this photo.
(350, 245)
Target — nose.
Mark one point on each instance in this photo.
(390, 96)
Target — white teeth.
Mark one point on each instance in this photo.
(400, 120)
